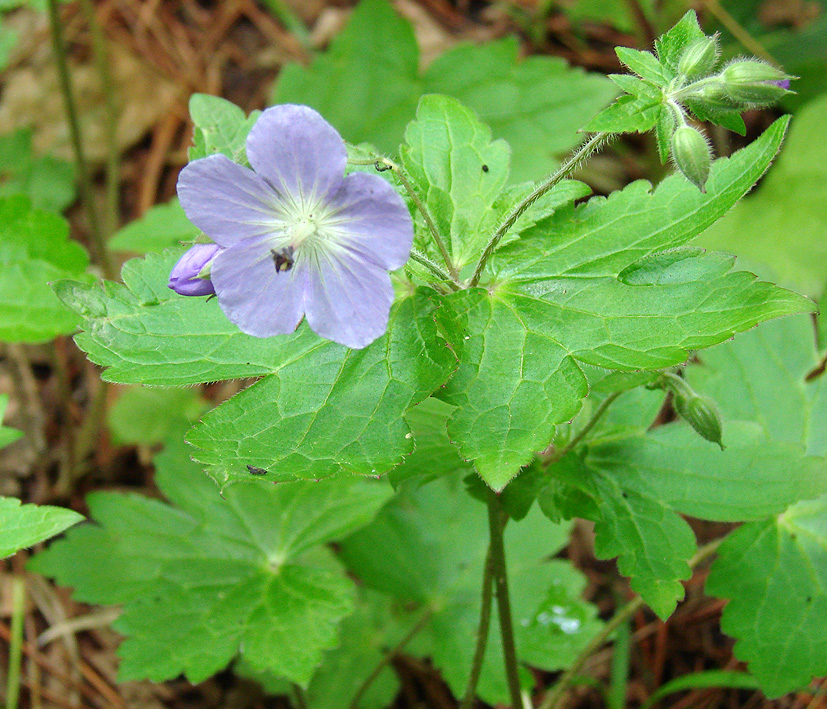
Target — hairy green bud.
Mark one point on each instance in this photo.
(749, 81)
(692, 155)
(699, 58)
(701, 413)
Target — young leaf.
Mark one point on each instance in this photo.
(428, 546)
(164, 226)
(368, 85)
(35, 250)
(217, 576)
(23, 526)
(458, 171)
(331, 409)
(774, 574)
(644, 64)
(670, 46)
(597, 284)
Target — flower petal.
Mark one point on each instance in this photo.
(253, 294)
(373, 220)
(184, 278)
(348, 301)
(228, 202)
(298, 152)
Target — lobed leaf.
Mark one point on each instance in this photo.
(774, 573)
(217, 576)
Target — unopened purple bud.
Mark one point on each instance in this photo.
(191, 276)
(782, 83)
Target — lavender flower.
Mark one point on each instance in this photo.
(190, 275)
(297, 237)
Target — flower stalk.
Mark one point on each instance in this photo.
(593, 144)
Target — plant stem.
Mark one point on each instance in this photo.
(572, 163)
(298, 696)
(434, 268)
(382, 164)
(549, 456)
(369, 680)
(482, 633)
(554, 697)
(99, 53)
(500, 576)
(18, 607)
(101, 252)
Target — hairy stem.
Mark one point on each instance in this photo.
(102, 64)
(382, 164)
(386, 659)
(554, 698)
(550, 456)
(574, 161)
(434, 268)
(500, 576)
(85, 180)
(482, 633)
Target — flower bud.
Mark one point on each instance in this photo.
(191, 275)
(753, 82)
(699, 58)
(701, 413)
(691, 155)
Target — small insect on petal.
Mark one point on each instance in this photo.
(282, 258)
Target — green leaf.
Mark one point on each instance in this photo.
(628, 114)
(146, 416)
(368, 85)
(35, 250)
(220, 127)
(644, 64)
(670, 46)
(537, 104)
(769, 237)
(163, 226)
(776, 450)
(328, 409)
(596, 284)
(458, 171)
(428, 546)
(217, 576)
(143, 332)
(23, 526)
(514, 382)
(653, 543)
(774, 574)
(7, 435)
(47, 181)
(434, 455)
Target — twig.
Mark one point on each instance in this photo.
(18, 607)
(737, 30)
